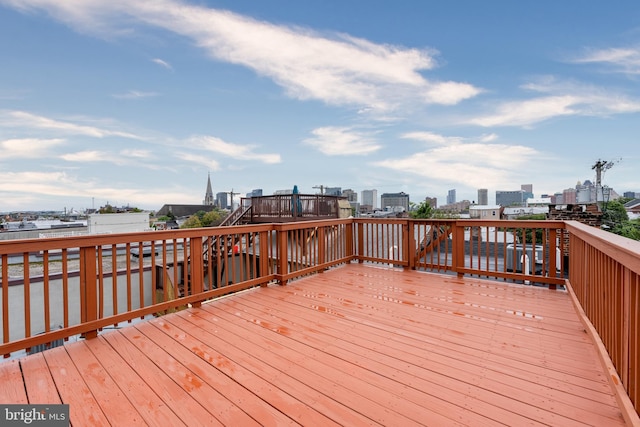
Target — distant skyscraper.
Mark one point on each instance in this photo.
(221, 200)
(208, 195)
(394, 200)
(451, 197)
(333, 191)
(255, 193)
(511, 198)
(351, 195)
(432, 201)
(370, 198)
(483, 196)
(527, 187)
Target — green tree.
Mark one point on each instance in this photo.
(616, 220)
(205, 219)
(192, 222)
(212, 218)
(422, 210)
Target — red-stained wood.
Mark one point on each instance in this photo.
(70, 385)
(38, 381)
(357, 345)
(11, 385)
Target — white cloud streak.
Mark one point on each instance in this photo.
(560, 99)
(456, 160)
(162, 63)
(28, 148)
(22, 119)
(622, 60)
(337, 69)
(234, 151)
(342, 141)
(135, 94)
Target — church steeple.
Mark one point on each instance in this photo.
(208, 196)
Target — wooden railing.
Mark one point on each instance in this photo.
(58, 288)
(604, 275)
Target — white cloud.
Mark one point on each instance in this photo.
(45, 185)
(208, 163)
(334, 68)
(22, 119)
(623, 60)
(128, 157)
(162, 63)
(431, 137)
(467, 162)
(134, 94)
(562, 98)
(28, 147)
(524, 113)
(342, 141)
(235, 151)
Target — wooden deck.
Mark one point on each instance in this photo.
(356, 345)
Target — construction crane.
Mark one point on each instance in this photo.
(321, 187)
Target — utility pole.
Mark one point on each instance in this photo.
(601, 166)
(231, 193)
(321, 187)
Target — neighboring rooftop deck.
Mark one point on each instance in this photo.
(356, 345)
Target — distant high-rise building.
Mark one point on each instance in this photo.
(333, 191)
(527, 188)
(569, 196)
(221, 200)
(451, 197)
(394, 200)
(511, 198)
(631, 195)
(255, 193)
(370, 198)
(483, 196)
(432, 201)
(208, 195)
(351, 195)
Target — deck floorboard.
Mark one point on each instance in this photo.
(356, 345)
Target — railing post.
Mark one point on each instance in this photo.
(283, 254)
(349, 242)
(88, 282)
(322, 247)
(409, 243)
(196, 267)
(264, 256)
(458, 248)
(360, 247)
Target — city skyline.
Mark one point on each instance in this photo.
(134, 103)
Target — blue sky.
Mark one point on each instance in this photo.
(136, 102)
